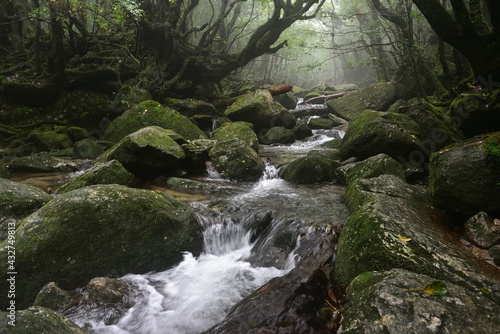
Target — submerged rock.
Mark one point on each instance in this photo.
(17, 199)
(317, 166)
(105, 230)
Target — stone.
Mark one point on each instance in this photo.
(190, 107)
(377, 165)
(478, 230)
(317, 166)
(129, 96)
(111, 172)
(42, 163)
(17, 199)
(452, 169)
(87, 149)
(50, 140)
(277, 135)
(151, 113)
(53, 297)
(337, 121)
(302, 130)
(495, 254)
(103, 230)
(473, 115)
(287, 100)
(197, 154)
(375, 132)
(76, 133)
(236, 160)
(239, 130)
(320, 123)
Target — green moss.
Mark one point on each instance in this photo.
(492, 147)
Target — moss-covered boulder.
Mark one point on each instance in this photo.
(302, 130)
(17, 199)
(197, 155)
(379, 302)
(234, 159)
(375, 132)
(392, 225)
(105, 230)
(128, 97)
(36, 320)
(376, 97)
(51, 140)
(320, 123)
(317, 166)
(277, 135)
(77, 133)
(473, 115)
(240, 130)
(87, 149)
(190, 107)
(147, 153)
(32, 94)
(372, 167)
(257, 108)
(465, 178)
(43, 163)
(111, 172)
(149, 113)
(53, 297)
(288, 100)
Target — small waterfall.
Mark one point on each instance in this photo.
(211, 171)
(270, 172)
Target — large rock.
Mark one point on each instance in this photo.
(234, 159)
(43, 163)
(465, 178)
(51, 140)
(129, 96)
(473, 115)
(258, 108)
(111, 172)
(240, 130)
(372, 167)
(106, 230)
(376, 97)
(277, 135)
(320, 123)
(479, 230)
(302, 130)
(37, 320)
(190, 107)
(197, 154)
(375, 132)
(317, 166)
(288, 100)
(380, 303)
(392, 225)
(17, 199)
(150, 113)
(87, 149)
(147, 153)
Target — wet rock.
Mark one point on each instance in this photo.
(105, 290)
(376, 97)
(452, 169)
(111, 172)
(333, 144)
(51, 140)
(277, 135)
(317, 166)
(17, 199)
(236, 160)
(53, 297)
(190, 107)
(43, 163)
(36, 320)
(147, 153)
(197, 154)
(151, 113)
(288, 100)
(379, 303)
(392, 225)
(105, 230)
(479, 231)
(473, 115)
(302, 130)
(375, 132)
(87, 149)
(320, 123)
(240, 130)
(372, 167)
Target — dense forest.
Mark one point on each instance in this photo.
(260, 166)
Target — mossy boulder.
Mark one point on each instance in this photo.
(32, 94)
(287, 100)
(320, 123)
(302, 130)
(147, 153)
(392, 225)
(379, 302)
(372, 167)
(257, 108)
(465, 178)
(51, 140)
(53, 297)
(376, 97)
(17, 199)
(128, 97)
(87, 149)
(77, 133)
(151, 113)
(36, 320)
(240, 130)
(197, 154)
(375, 132)
(277, 135)
(317, 166)
(234, 159)
(111, 172)
(43, 163)
(473, 115)
(104, 230)
(190, 107)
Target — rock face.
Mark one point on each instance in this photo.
(36, 320)
(374, 166)
(317, 166)
(17, 199)
(236, 160)
(375, 132)
(452, 170)
(378, 303)
(147, 153)
(99, 231)
(376, 97)
(238, 130)
(277, 135)
(111, 172)
(149, 113)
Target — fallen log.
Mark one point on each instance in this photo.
(326, 97)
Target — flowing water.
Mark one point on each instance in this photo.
(240, 220)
